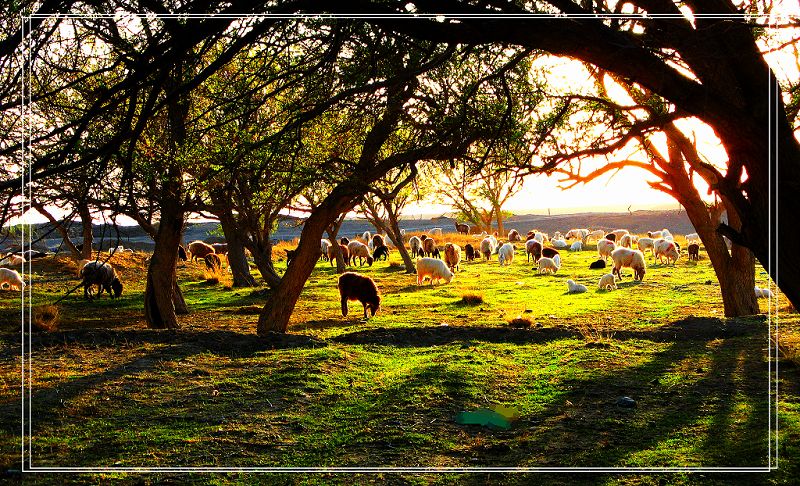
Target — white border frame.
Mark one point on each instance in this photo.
(27, 393)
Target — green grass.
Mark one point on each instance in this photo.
(341, 392)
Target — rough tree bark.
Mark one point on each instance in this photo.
(86, 225)
(76, 253)
(262, 257)
(237, 259)
(162, 297)
(333, 235)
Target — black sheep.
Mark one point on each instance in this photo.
(353, 286)
(469, 252)
(380, 251)
(103, 275)
(598, 264)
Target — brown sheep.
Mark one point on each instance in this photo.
(353, 286)
(533, 249)
(462, 228)
(469, 252)
(198, 249)
(220, 248)
(694, 251)
(378, 241)
(549, 252)
(345, 254)
(213, 263)
(429, 245)
(452, 256)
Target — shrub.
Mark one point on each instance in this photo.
(45, 318)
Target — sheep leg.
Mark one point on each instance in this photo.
(344, 306)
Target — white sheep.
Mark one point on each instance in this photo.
(436, 231)
(488, 246)
(495, 244)
(560, 244)
(360, 250)
(506, 254)
(575, 288)
(578, 233)
(619, 233)
(627, 240)
(665, 249)
(366, 236)
(604, 248)
(116, 249)
(13, 260)
(576, 246)
(596, 235)
(540, 237)
(11, 278)
(607, 282)
(323, 246)
(415, 244)
(654, 234)
(667, 235)
(693, 238)
(434, 269)
(764, 293)
(646, 244)
(548, 265)
(625, 257)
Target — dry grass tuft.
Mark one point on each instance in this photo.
(595, 333)
(520, 322)
(472, 299)
(45, 318)
(395, 265)
(789, 348)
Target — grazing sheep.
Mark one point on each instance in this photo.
(199, 250)
(693, 238)
(575, 288)
(551, 253)
(487, 247)
(547, 265)
(11, 278)
(533, 247)
(345, 254)
(366, 236)
(428, 246)
(181, 254)
(220, 248)
(667, 235)
(694, 252)
(452, 256)
(646, 244)
(628, 240)
(578, 234)
(607, 282)
(540, 237)
(654, 234)
(506, 254)
(763, 293)
(81, 264)
(13, 260)
(469, 252)
(415, 244)
(323, 247)
(381, 251)
(666, 249)
(611, 237)
(433, 269)
(576, 246)
(436, 231)
(359, 250)
(213, 262)
(560, 244)
(619, 233)
(102, 274)
(462, 228)
(604, 248)
(597, 264)
(625, 257)
(423, 237)
(116, 249)
(377, 241)
(513, 235)
(353, 286)
(595, 235)
(344, 241)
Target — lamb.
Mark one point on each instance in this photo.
(578, 233)
(433, 269)
(575, 288)
(607, 282)
(359, 250)
(547, 265)
(487, 247)
(693, 238)
(102, 274)
(469, 252)
(116, 249)
(198, 249)
(220, 248)
(654, 234)
(763, 293)
(646, 244)
(452, 256)
(506, 254)
(11, 278)
(694, 252)
(597, 264)
(540, 237)
(345, 254)
(213, 262)
(625, 257)
(353, 286)
(429, 245)
(436, 231)
(595, 235)
(533, 247)
(605, 248)
(415, 244)
(577, 246)
(381, 251)
(627, 240)
(323, 247)
(462, 228)
(513, 235)
(560, 244)
(558, 236)
(666, 249)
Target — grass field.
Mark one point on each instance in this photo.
(337, 391)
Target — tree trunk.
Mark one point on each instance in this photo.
(237, 260)
(393, 232)
(162, 297)
(86, 225)
(499, 217)
(262, 256)
(59, 226)
(278, 310)
(333, 234)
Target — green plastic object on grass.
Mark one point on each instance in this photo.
(497, 416)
